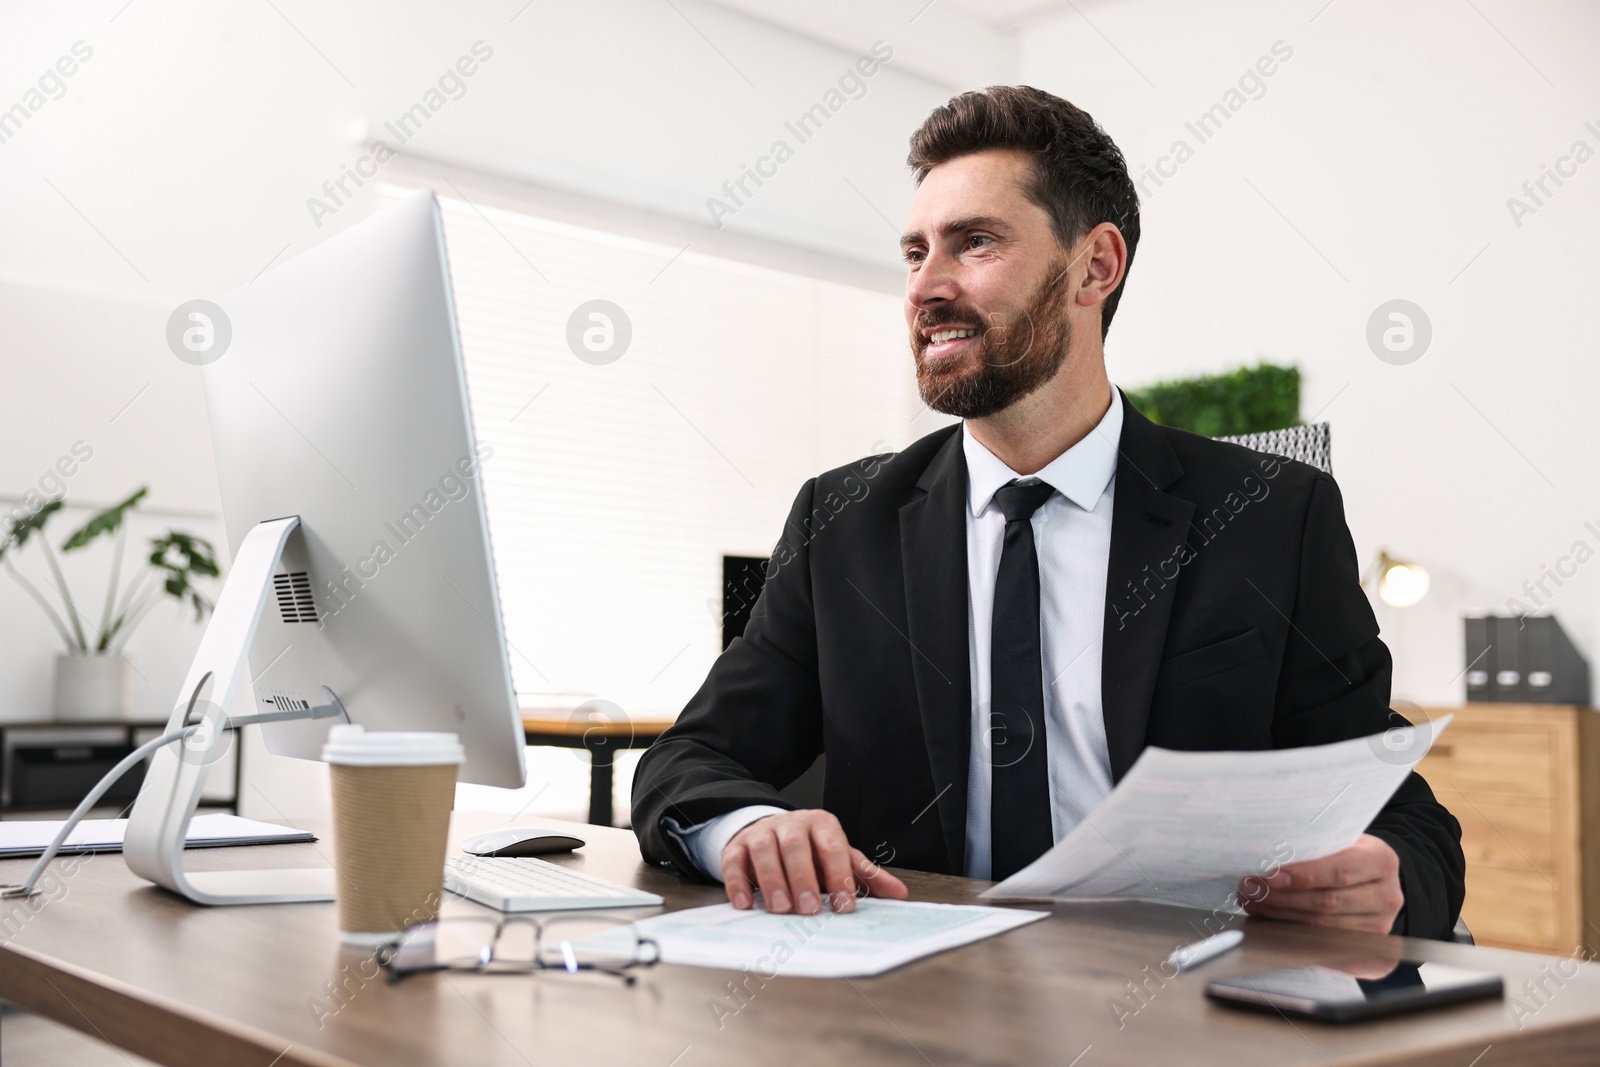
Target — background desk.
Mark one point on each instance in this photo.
(602, 738)
(198, 987)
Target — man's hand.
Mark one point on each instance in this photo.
(1358, 889)
(793, 854)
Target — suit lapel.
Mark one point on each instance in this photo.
(933, 543)
(1142, 575)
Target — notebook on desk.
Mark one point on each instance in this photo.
(30, 837)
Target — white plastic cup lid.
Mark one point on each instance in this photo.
(353, 746)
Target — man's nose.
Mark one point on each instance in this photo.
(933, 284)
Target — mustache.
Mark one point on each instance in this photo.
(949, 316)
(993, 329)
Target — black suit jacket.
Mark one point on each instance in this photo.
(1234, 619)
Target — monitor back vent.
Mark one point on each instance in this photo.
(294, 597)
(286, 701)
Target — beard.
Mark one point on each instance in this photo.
(1010, 358)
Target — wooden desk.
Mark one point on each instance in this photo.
(197, 987)
(603, 738)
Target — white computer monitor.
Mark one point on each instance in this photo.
(362, 581)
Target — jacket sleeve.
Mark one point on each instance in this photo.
(1335, 685)
(754, 726)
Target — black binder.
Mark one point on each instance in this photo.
(1523, 659)
(1505, 658)
(1554, 672)
(1479, 657)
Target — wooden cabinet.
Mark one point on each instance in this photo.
(1524, 781)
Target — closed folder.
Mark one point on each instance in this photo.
(1554, 672)
(1478, 659)
(1505, 671)
(30, 837)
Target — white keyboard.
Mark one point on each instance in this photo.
(523, 883)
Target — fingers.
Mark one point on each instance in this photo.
(1369, 898)
(833, 861)
(1358, 888)
(1339, 869)
(800, 860)
(1372, 906)
(1368, 859)
(800, 867)
(876, 881)
(734, 879)
(761, 844)
(1376, 923)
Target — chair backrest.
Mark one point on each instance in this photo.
(1311, 444)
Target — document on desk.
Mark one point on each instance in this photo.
(31, 837)
(878, 936)
(1185, 827)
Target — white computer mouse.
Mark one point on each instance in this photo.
(521, 841)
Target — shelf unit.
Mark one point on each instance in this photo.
(55, 733)
(1524, 782)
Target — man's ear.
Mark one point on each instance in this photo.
(1104, 256)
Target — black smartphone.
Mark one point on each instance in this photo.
(1355, 989)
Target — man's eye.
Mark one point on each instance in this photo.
(913, 255)
(973, 241)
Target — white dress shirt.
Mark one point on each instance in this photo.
(1072, 535)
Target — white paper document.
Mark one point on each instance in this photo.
(878, 936)
(31, 837)
(1185, 827)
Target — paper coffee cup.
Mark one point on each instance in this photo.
(392, 797)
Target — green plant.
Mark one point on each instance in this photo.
(175, 561)
(1248, 400)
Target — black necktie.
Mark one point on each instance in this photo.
(1019, 814)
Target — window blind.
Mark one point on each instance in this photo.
(614, 490)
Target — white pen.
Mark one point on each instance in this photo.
(1191, 956)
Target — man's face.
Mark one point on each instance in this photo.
(984, 296)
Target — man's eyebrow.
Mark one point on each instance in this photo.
(972, 222)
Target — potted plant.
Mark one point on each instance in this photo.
(91, 677)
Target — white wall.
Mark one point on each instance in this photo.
(195, 134)
(90, 375)
(1375, 166)
(178, 161)
(96, 370)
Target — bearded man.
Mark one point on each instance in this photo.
(983, 631)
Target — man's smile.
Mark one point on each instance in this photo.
(945, 341)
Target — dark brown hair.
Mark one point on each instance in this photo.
(1080, 178)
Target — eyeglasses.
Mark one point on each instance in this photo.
(521, 946)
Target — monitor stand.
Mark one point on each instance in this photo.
(159, 824)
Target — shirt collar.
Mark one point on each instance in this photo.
(1080, 474)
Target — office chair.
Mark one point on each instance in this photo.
(1313, 444)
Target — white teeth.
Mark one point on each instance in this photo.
(940, 336)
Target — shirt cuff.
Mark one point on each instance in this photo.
(704, 843)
